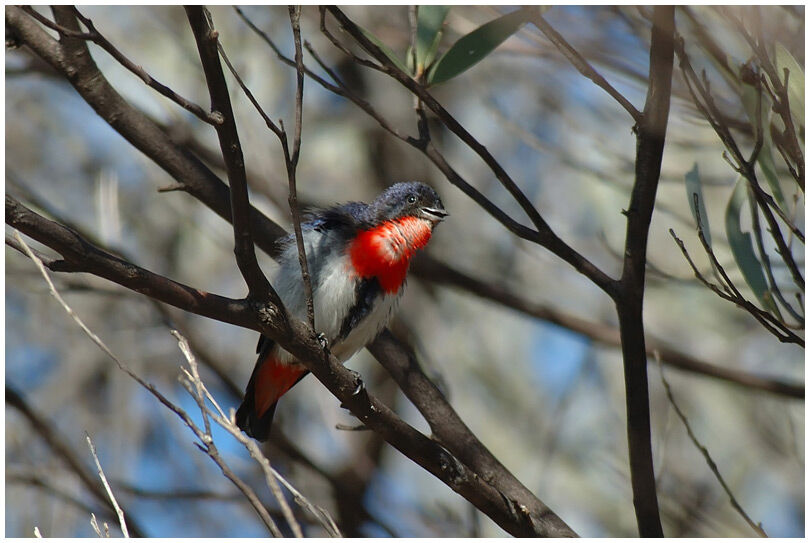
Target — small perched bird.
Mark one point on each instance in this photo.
(358, 256)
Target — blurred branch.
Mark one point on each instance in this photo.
(176, 494)
(579, 62)
(429, 269)
(630, 298)
(96, 37)
(705, 452)
(47, 488)
(62, 449)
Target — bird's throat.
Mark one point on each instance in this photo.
(385, 251)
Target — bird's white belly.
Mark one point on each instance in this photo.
(334, 295)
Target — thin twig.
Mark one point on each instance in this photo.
(249, 493)
(291, 159)
(200, 392)
(582, 65)
(94, 525)
(733, 295)
(289, 62)
(197, 389)
(705, 452)
(122, 522)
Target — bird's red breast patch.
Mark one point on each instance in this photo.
(385, 251)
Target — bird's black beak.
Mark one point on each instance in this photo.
(435, 214)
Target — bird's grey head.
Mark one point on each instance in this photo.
(413, 199)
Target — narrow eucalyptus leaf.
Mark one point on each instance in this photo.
(693, 187)
(473, 47)
(428, 33)
(743, 249)
(385, 49)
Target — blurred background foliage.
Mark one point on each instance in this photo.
(548, 402)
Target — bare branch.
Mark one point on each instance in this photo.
(196, 388)
(705, 452)
(629, 302)
(582, 65)
(429, 269)
(206, 38)
(62, 449)
(80, 255)
(121, 521)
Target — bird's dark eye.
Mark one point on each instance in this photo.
(411, 199)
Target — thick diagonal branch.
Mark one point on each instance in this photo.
(297, 338)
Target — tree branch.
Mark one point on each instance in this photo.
(579, 62)
(629, 301)
(206, 38)
(299, 340)
(434, 271)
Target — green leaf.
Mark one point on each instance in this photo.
(765, 158)
(693, 188)
(428, 34)
(385, 49)
(795, 82)
(473, 47)
(743, 249)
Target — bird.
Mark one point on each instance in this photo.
(358, 256)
